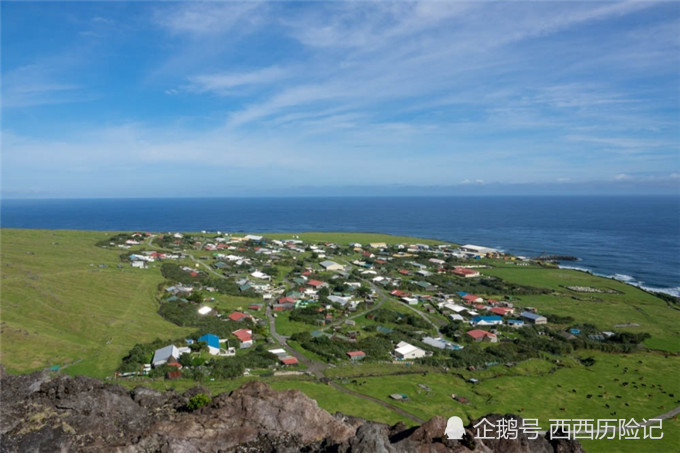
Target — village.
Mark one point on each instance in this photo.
(272, 306)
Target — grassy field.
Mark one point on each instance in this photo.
(284, 325)
(648, 388)
(327, 397)
(59, 307)
(606, 311)
(66, 302)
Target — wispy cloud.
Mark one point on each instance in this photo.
(225, 83)
(34, 85)
(345, 92)
(209, 18)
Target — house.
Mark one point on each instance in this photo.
(278, 352)
(502, 311)
(172, 375)
(482, 335)
(331, 266)
(476, 250)
(533, 318)
(356, 355)
(238, 316)
(441, 343)
(515, 323)
(410, 300)
(465, 273)
(261, 275)
(342, 300)
(317, 284)
(378, 245)
(406, 351)
(454, 307)
(245, 336)
(255, 307)
(162, 355)
(213, 342)
(288, 360)
(472, 299)
(426, 285)
(486, 320)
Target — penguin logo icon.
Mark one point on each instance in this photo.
(454, 428)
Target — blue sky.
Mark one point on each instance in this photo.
(161, 99)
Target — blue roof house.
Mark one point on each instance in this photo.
(486, 320)
(213, 343)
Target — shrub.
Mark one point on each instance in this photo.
(198, 401)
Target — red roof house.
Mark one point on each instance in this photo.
(238, 316)
(289, 360)
(316, 283)
(502, 311)
(356, 355)
(245, 336)
(471, 298)
(482, 335)
(464, 272)
(176, 374)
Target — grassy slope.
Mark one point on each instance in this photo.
(58, 309)
(536, 391)
(604, 310)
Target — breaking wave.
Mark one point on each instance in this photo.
(673, 291)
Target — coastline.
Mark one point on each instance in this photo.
(627, 279)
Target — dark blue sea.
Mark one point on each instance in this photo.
(634, 239)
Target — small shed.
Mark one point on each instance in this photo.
(356, 355)
(399, 396)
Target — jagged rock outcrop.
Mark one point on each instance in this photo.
(44, 413)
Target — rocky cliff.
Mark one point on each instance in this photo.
(44, 413)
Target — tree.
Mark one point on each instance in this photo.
(363, 291)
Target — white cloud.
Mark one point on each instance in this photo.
(35, 84)
(208, 18)
(224, 83)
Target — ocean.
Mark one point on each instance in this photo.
(633, 239)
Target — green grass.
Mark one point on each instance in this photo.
(334, 400)
(233, 303)
(57, 309)
(327, 397)
(631, 305)
(536, 392)
(284, 326)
